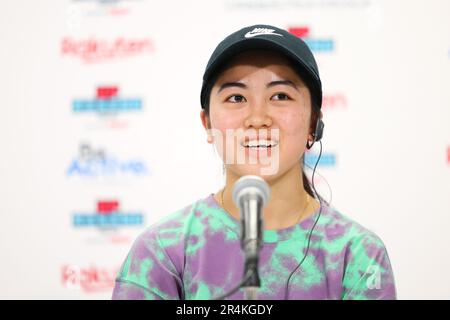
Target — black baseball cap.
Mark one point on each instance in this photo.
(264, 37)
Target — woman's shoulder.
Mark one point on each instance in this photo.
(366, 267)
(343, 230)
(176, 225)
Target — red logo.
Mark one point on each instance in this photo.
(107, 207)
(106, 93)
(315, 44)
(301, 32)
(97, 50)
(89, 280)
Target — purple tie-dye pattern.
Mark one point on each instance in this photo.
(195, 254)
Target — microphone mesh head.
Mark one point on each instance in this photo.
(251, 184)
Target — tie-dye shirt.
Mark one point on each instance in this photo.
(195, 253)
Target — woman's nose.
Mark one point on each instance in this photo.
(258, 116)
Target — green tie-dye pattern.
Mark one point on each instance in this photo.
(203, 292)
(144, 266)
(355, 281)
(170, 237)
(270, 237)
(231, 235)
(311, 273)
(195, 229)
(217, 215)
(184, 235)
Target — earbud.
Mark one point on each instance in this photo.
(318, 133)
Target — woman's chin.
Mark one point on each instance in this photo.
(266, 172)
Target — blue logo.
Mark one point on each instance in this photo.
(108, 215)
(320, 45)
(326, 160)
(92, 163)
(315, 44)
(107, 101)
(114, 219)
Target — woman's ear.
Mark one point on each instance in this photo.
(204, 119)
(314, 118)
(312, 127)
(206, 124)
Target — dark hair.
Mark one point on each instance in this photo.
(315, 111)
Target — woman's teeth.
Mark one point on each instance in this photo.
(259, 144)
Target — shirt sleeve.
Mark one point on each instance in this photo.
(368, 273)
(148, 272)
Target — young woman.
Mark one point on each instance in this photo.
(263, 82)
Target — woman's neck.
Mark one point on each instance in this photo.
(288, 204)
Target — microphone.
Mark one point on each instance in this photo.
(251, 194)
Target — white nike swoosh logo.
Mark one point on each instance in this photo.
(252, 34)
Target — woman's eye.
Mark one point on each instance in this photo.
(236, 98)
(281, 96)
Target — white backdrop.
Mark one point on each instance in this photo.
(385, 68)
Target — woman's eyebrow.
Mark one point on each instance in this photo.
(231, 84)
(269, 85)
(282, 82)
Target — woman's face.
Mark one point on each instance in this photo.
(260, 110)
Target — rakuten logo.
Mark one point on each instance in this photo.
(98, 50)
(88, 279)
